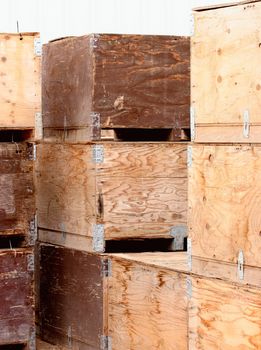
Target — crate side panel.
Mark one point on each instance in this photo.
(66, 188)
(142, 81)
(17, 203)
(224, 316)
(19, 81)
(17, 296)
(225, 66)
(224, 203)
(67, 83)
(71, 296)
(147, 307)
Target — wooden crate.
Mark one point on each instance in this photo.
(17, 202)
(20, 81)
(89, 194)
(224, 315)
(17, 298)
(99, 82)
(225, 73)
(122, 302)
(224, 206)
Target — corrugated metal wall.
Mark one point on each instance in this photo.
(56, 18)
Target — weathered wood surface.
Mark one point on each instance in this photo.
(130, 81)
(41, 345)
(17, 203)
(19, 81)
(17, 296)
(225, 73)
(224, 316)
(226, 271)
(148, 305)
(139, 190)
(71, 298)
(224, 203)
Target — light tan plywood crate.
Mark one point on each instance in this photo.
(92, 194)
(20, 91)
(226, 73)
(224, 211)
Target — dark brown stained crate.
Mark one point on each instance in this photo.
(17, 204)
(71, 297)
(17, 297)
(126, 81)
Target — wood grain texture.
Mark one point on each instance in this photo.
(152, 85)
(147, 307)
(226, 134)
(17, 203)
(65, 188)
(225, 271)
(224, 316)
(139, 190)
(42, 345)
(71, 298)
(131, 81)
(143, 207)
(67, 83)
(224, 68)
(17, 297)
(19, 81)
(224, 203)
(177, 261)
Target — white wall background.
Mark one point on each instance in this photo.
(57, 18)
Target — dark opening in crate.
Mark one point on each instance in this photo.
(15, 135)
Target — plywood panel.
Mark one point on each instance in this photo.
(17, 296)
(224, 316)
(19, 81)
(71, 298)
(225, 73)
(224, 203)
(147, 307)
(143, 207)
(65, 188)
(17, 203)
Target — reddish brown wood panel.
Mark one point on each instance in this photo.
(142, 81)
(131, 81)
(17, 296)
(17, 205)
(67, 82)
(71, 297)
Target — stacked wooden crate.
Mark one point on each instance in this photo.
(112, 176)
(225, 178)
(19, 122)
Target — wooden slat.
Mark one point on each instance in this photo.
(225, 271)
(227, 133)
(19, 81)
